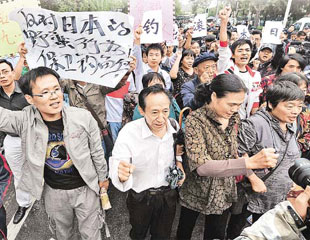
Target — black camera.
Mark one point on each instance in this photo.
(303, 48)
(300, 172)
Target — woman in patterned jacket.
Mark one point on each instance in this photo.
(211, 146)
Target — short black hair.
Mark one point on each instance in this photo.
(255, 32)
(26, 82)
(151, 90)
(284, 60)
(222, 84)
(147, 78)
(7, 62)
(240, 42)
(187, 52)
(301, 33)
(283, 91)
(155, 46)
(294, 77)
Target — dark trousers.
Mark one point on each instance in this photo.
(215, 225)
(154, 210)
(237, 222)
(3, 229)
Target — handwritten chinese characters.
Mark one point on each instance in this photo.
(88, 46)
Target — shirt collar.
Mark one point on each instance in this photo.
(148, 69)
(146, 131)
(16, 89)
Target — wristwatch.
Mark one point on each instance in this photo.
(298, 221)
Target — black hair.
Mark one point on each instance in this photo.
(195, 42)
(301, 33)
(155, 46)
(240, 42)
(187, 52)
(26, 82)
(229, 34)
(7, 62)
(221, 85)
(254, 32)
(147, 78)
(283, 91)
(293, 77)
(284, 60)
(151, 90)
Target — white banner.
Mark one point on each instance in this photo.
(175, 41)
(152, 24)
(243, 32)
(272, 31)
(88, 46)
(200, 26)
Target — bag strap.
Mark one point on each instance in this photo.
(264, 178)
(91, 110)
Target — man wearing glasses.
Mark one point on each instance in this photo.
(12, 98)
(62, 146)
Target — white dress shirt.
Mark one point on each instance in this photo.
(151, 155)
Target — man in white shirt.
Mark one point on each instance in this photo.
(142, 155)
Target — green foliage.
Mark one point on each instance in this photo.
(85, 5)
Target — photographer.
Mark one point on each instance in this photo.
(279, 223)
(289, 219)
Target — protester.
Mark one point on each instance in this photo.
(151, 202)
(211, 147)
(240, 53)
(205, 69)
(12, 98)
(182, 72)
(287, 64)
(152, 79)
(61, 146)
(154, 53)
(273, 127)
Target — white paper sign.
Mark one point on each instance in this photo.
(272, 32)
(152, 25)
(175, 41)
(243, 32)
(200, 26)
(88, 46)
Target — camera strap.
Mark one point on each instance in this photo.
(264, 178)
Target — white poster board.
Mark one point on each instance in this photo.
(88, 46)
(272, 31)
(200, 26)
(152, 24)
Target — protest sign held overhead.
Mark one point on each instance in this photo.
(243, 32)
(272, 31)
(200, 26)
(175, 41)
(137, 8)
(88, 46)
(152, 27)
(10, 33)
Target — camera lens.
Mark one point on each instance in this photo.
(300, 172)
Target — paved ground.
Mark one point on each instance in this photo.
(36, 227)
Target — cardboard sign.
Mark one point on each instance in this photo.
(200, 26)
(272, 32)
(138, 7)
(152, 27)
(88, 46)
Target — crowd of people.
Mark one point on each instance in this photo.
(248, 123)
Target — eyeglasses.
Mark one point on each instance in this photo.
(5, 73)
(48, 94)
